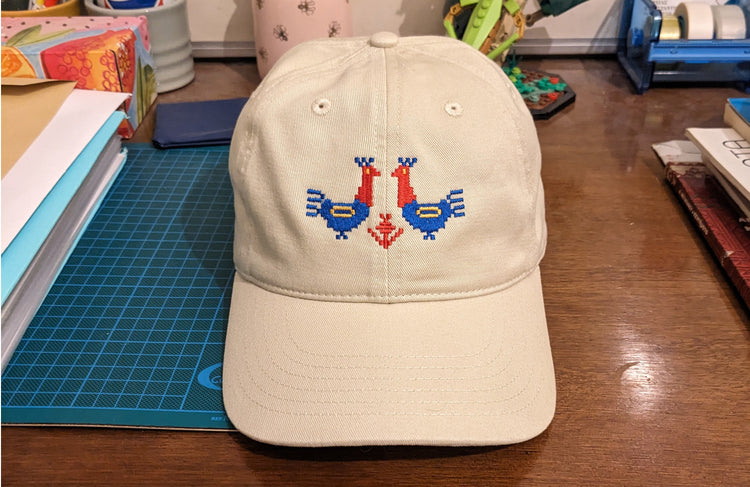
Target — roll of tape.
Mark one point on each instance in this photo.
(696, 20)
(670, 28)
(729, 22)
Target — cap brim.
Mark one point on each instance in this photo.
(475, 371)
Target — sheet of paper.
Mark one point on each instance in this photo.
(677, 151)
(49, 156)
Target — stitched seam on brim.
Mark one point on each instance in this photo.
(401, 298)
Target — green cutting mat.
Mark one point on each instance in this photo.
(132, 332)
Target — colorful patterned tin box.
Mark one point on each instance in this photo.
(99, 53)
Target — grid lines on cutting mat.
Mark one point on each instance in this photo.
(141, 305)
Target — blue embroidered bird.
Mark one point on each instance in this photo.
(429, 217)
(345, 217)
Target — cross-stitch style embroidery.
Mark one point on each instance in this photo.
(428, 217)
(385, 228)
(345, 217)
(342, 218)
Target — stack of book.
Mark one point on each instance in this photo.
(52, 184)
(710, 174)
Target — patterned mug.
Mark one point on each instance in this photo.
(279, 25)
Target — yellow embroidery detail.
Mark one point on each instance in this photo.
(428, 212)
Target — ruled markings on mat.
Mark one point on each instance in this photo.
(140, 308)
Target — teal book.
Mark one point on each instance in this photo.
(25, 245)
(32, 261)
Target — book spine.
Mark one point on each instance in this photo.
(727, 250)
(733, 119)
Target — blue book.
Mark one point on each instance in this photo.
(33, 259)
(742, 107)
(737, 115)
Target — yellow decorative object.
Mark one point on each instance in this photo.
(70, 8)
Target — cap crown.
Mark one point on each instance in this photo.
(408, 172)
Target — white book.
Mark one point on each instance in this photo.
(35, 173)
(726, 152)
(27, 294)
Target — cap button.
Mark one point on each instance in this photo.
(384, 39)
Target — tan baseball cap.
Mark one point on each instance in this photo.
(389, 228)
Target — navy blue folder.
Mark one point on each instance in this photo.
(195, 124)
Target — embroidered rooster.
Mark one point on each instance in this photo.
(430, 217)
(345, 217)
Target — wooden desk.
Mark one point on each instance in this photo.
(651, 343)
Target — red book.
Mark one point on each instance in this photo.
(721, 224)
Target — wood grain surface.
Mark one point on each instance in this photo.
(651, 343)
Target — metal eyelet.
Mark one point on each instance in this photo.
(454, 109)
(321, 106)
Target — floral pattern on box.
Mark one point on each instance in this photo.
(99, 53)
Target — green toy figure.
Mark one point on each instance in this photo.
(494, 25)
(492, 28)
